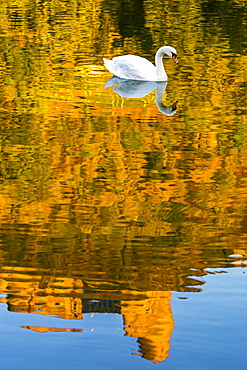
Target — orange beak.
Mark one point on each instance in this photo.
(174, 57)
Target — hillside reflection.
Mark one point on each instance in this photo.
(146, 315)
(135, 281)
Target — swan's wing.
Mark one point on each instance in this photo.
(134, 67)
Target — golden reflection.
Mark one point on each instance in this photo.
(150, 321)
(146, 316)
(42, 329)
(39, 297)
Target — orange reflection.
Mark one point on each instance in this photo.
(43, 329)
(146, 315)
(151, 321)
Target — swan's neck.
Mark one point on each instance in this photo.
(160, 69)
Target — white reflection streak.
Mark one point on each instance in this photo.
(139, 89)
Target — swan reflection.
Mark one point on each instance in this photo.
(139, 89)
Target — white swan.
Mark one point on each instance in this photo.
(133, 67)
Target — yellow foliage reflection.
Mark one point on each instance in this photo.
(151, 321)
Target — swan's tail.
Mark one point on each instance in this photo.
(112, 67)
(108, 63)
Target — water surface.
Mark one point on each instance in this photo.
(123, 216)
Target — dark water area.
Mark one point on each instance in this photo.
(123, 203)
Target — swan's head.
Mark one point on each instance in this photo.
(171, 52)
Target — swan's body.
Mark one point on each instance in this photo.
(133, 67)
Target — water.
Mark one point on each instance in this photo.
(123, 216)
